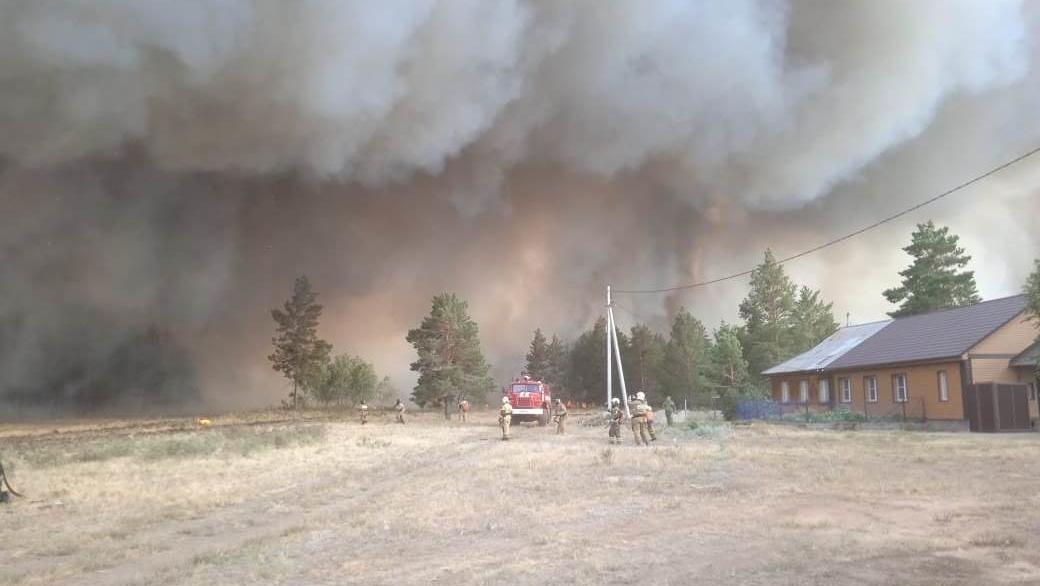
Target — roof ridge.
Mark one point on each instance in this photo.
(867, 323)
(970, 305)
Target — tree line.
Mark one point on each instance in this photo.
(780, 320)
(690, 362)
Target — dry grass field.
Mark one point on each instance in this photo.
(323, 500)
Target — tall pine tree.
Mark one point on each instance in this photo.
(587, 371)
(935, 279)
(813, 320)
(537, 366)
(781, 320)
(298, 351)
(642, 361)
(450, 364)
(728, 370)
(1032, 291)
(556, 375)
(685, 359)
(768, 311)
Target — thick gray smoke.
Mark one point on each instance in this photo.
(167, 168)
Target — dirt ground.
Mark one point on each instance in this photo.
(327, 501)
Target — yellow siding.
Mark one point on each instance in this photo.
(922, 386)
(1011, 338)
(992, 370)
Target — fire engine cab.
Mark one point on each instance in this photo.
(531, 399)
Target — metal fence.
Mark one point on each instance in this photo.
(764, 409)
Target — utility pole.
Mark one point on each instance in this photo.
(610, 374)
(612, 337)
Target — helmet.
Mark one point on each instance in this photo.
(640, 396)
(505, 399)
(615, 401)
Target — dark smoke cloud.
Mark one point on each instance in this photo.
(167, 168)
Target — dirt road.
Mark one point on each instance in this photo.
(430, 502)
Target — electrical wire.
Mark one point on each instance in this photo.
(840, 239)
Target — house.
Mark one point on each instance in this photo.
(917, 366)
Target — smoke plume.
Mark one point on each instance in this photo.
(168, 168)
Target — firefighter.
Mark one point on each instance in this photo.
(505, 416)
(560, 417)
(363, 411)
(669, 409)
(616, 417)
(639, 410)
(399, 407)
(463, 410)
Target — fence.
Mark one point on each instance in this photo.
(749, 409)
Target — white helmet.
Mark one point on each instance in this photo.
(640, 396)
(505, 399)
(615, 401)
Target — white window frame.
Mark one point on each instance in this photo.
(944, 386)
(900, 392)
(803, 391)
(845, 383)
(785, 392)
(870, 393)
(823, 393)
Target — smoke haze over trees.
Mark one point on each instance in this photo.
(167, 166)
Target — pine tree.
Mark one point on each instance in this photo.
(642, 361)
(768, 311)
(298, 351)
(812, 320)
(727, 368)
(587, 370)
(685, 359)
(1032, 291)
(450, 363)
(934, 280)
(556, 374)
(537, 366)
(728, 371)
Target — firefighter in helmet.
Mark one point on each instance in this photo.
(399, 408)
(650, 420)
(505, 416)
(616, 417)
(560, 417)
(363, 411)
(639, 411)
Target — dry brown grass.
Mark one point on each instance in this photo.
(435, 502)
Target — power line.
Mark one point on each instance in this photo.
(840, 239)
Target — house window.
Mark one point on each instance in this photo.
(785, 392)
(944, 386)
(803, 391)
(825, 390)
(870, 388)
(899, 390)
(846, 389)
(1032, 391)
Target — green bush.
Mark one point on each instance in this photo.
(842, 414)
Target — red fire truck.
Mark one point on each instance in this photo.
(531, 399)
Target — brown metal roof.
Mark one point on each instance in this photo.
(946, 333)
